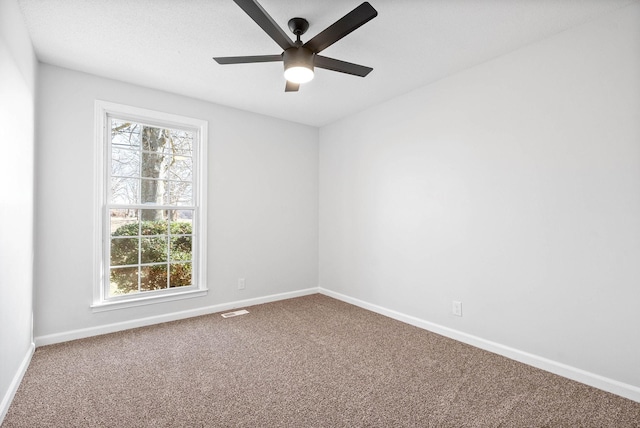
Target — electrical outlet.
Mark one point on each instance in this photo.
(240, 283)
(456, 308)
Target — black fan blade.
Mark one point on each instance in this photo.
(262, 18)
(247, 59)
(341, 66)
(291, 87)
(343, 26)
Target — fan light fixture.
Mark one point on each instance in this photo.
(300, 58)
(298, 64)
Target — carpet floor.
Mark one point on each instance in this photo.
(311, 361)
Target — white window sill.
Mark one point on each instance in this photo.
(146, 300)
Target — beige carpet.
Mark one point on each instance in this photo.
(306, 362)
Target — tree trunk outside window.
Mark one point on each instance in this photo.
(152, 188)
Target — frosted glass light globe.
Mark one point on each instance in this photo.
(298, 74)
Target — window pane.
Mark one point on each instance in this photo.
(153, 191)
(153, 277)
(154, 222)
(124, 251)
(180, 193)
(153, 250)
(181, 143)
(124, 191)
(125, 134)
(180, 275)
(155, 139)
(125, 162)
(181, 248)
(152, 165)
(123, 222)
(178, 168)
(123, 281)
(181, 216)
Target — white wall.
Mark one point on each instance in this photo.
(262, 196)
(513, 187)
(17, 94)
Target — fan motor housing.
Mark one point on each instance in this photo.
(298, 57)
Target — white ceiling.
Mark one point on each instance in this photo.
(168, 45)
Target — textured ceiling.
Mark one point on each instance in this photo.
(168, 45)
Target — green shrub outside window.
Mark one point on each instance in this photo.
(151, 244)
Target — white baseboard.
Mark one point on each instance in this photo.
(610, 385)
(15, 383)
(174, 316)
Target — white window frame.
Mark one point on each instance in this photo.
(104, 110)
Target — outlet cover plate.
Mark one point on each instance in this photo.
(456, 308)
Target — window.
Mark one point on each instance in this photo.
(151, 210)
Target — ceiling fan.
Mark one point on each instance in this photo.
(300, 58)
